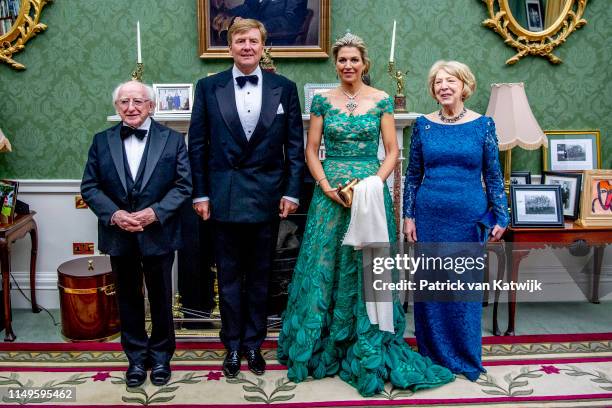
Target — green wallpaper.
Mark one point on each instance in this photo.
(51, 111)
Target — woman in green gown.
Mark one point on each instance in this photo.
(326, 330)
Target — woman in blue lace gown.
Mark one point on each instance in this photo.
(444, 201)
(326, 330)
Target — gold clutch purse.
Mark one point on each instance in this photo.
(345, 192)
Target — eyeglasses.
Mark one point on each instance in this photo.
(137, 102)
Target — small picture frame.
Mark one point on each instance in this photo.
(536, 205)
(572, 150)
(596, 201)
(310, 90)
(8, 200)
(173, 98)
(571, 184)
(533, 10)
(520, 177)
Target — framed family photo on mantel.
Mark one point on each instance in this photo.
(296, 28)
(173, 98)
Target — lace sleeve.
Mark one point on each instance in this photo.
(414, 172)
(385, 105)
(494, 180)
(319, 105)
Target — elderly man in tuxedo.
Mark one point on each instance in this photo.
(246, 149)
(136, 177)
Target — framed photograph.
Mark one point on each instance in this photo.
(8, 200)
(173, 98)
(570, 190)
(596, 201)
(520, 177)
(536, 205)
(296, 28)
(310, 90)
(572, 150)
(533, 10)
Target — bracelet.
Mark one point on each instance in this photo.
(318, 182)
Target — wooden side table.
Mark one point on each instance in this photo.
(9, 233)
(526, 239)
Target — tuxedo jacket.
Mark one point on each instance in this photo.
(165, 186)
(245, 179)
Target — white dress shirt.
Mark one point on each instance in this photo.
(134, 148)
(248, 101)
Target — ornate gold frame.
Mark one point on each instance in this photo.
(207, 50)
(587, 217)
(541, 43)
(26, 26)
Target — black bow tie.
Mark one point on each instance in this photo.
(127, 131)
(241, 80)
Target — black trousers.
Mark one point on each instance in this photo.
(244, 254)
(157, 271)
(195, 261)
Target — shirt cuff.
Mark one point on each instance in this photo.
(293, 200)
(200, 199)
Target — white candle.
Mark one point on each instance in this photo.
(138, 41)
(392, 54)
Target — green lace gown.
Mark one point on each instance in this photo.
(326, 330)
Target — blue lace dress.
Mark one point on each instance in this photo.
(443, 192)
(325, 329)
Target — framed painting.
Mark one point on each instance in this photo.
(570, 190)
(596, 201)
(536, 205)
(296, 28)
(572, 150)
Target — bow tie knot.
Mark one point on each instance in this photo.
(127, 131)
(242, 80)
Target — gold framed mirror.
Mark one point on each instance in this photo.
(19, 22)
(535, 27)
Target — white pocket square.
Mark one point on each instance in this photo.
(280, 109)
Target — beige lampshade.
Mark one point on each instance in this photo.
(515, 123)
(5, 145)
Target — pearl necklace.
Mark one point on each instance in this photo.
(352, 103)
(454, 118)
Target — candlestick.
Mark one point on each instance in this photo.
(392, 54)
(139, 60)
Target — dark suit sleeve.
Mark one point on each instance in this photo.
(170, 204)
(294, 145)
(198, 142)
(91, 191)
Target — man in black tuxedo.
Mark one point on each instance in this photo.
(136, 177)
(246, 148)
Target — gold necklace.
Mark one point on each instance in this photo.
(352, 103)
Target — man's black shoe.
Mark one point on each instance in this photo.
(160, 374)
(257, 364)
(135, 375)
(231, 364)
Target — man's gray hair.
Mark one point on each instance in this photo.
(148, 88)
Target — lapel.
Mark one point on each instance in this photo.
(270, 97)
(226, 99)
(115, 144)
(157, 142)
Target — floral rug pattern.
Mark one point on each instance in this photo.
(563, 370)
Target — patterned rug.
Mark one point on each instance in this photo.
(543, 370)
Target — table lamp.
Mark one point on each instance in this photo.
(515, 123)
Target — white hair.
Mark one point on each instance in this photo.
(148, 88)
